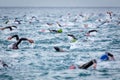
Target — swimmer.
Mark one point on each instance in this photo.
(86, 65)
(74, 38)
(110, 14)
(8, 27)
(86, 25)
(59, 24)
(6, 22)
(107, 56)
(81, 15)
(118, 23)
(58, 49)
(88, 33)
(68, 13)
(17, 21)
(3, 64)
(102, 23)
(15, 45)
(50, 24)
(56, 31)
(75, 20)
(33, 19)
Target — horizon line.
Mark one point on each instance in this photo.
(59, 6)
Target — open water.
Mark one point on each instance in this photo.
(39, 61)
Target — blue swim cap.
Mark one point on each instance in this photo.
(104, 57)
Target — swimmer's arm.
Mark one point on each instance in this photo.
(14, 26)
(2, 28)
(23, 39)
(17, 37)
(80, 66)
(59, 24)
(92, 31)
(111, 57)
(9, 27)
(31, 41)
(53, 30)
(6, 28)
(4, 64)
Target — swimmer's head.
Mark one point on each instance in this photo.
(104, 57)
(60, 31)
(72, 67)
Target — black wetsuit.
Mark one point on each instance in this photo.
(109, 54)
(49, 23)
(53, 31)
(59, 25)
(10, 27)
(72, 36)
(92, 31)
(15, 45)
(57, 49)
(102, 23)
(88, 64)
(16, 20)
(16, 36)
(3, 64)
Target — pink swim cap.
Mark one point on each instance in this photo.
(72, 67)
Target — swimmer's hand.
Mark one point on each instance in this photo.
(9, 38)
(31, 41)
(2, 28)
(94, 65)
(112, 58)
